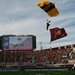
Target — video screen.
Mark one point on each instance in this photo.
(18, 43)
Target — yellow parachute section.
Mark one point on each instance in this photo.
(48, 7)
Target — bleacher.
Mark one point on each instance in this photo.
(30, 58)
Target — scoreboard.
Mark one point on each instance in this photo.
(17, 42)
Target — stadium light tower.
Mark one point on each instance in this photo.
(40, 45)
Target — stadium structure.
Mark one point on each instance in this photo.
(17, 54)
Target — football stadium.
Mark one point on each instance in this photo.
(19, 57)
(19, 54)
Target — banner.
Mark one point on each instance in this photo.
(57, 33)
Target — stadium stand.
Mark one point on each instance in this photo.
(30, 58)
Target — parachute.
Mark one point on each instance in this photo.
(48, 7)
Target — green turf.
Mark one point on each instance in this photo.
(39, 73)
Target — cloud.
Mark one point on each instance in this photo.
(24, 17)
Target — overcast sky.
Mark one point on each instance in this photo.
(24, 17)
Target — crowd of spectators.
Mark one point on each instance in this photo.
(51, 56)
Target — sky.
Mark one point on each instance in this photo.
(24, 17)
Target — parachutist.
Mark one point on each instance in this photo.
(48, 24)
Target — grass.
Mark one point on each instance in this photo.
(39, 73)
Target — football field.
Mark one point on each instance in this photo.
(39, 73)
